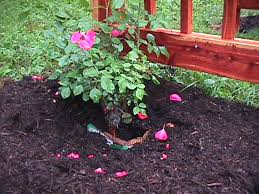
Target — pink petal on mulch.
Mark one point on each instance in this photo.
(161, 135)
(164, 157)
(142, 116)
(99, 171)
(73, 156)
(175, 98)
(121, 174)
(37, 78)
(58, 155)
(167, 146)
(91, 156)
(57, 93)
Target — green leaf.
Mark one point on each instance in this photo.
(133, 55)
(142, 105)
(60, 43)
(116, 40)
(131, 86)
(142, 23)
(138, 67)
(85, 96)
(130, 43)
(141, 86)
(140, 94)
(136, 110)
(63, 61)
(65, 92)
(106, 84)
(62, 14)
(117, 4)
(23, 15)
(164, 51)
(151, 38)
(55, 75)
(126, 118)
(48, 34)
(131, 31)
(59, 26)
(105, 28)
(122, 83)
(78, 90)
(95, 95)
(126, 65)
(91, 72)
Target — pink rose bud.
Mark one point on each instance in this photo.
(99, 171)
(164, 157)
(142, 116)
(161, 135)
(175, 98)
(91, 156)
(167, 146)
(73, 156)
(121, 174)
(115, 33)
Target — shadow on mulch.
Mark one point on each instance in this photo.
(213, 146)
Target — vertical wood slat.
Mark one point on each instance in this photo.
(100, 9)
(150, 6)
(238, 19)
(186, 16)
(229, 19)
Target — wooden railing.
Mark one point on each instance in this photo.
(222, 55)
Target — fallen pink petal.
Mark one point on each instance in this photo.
(73, 156)
(91, 156)
(161, 135)
(57, 93)
(142, 116)
(37, 78)
(167, 146)
(175, 98)
(99, 171)
(121, 174)
(54, 101)
(58, 155)
(164, 157)
(116, 33)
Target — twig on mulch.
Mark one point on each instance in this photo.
(203, 185)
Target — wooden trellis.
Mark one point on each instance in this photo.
(222, 55)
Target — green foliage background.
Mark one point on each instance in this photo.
(24, 49)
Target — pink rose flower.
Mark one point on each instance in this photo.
(85, 41)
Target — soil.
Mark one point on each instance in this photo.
(214, 144)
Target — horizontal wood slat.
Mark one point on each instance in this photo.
(249, 4)
(208, 53)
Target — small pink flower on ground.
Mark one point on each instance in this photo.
(167, 146)
(164, 157)
(76, 37)
(73, 156)
(121, 174)
(142, 116)
(99, 171)
(116, 33)
(37, 78)
(58, 155)
(57, 93)
(105, 155)
(54, 101)
(175, 98)
(91, 156)
(161, 135)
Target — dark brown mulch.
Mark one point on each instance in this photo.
(214, 145)
(248, 23)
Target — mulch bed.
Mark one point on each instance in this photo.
(214, 145)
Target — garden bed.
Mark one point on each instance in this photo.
(213, 144)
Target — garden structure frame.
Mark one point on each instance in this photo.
(222, 55)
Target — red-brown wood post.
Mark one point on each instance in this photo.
(101, 9)
(186, 16)
(229, 19)
(150, 6)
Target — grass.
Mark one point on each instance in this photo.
(25, 51)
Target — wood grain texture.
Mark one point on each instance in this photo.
(186, 16)
(249, 4)
(100, 9)
(237, 59)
